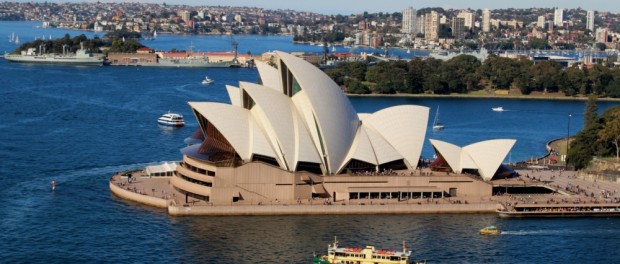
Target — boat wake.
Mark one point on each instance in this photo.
(538, 232)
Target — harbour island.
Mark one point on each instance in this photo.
(294, 145)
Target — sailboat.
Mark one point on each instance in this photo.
(436, 124)
(16, 40)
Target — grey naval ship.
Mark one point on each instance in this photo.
(80, 57)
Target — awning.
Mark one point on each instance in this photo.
(161, 169)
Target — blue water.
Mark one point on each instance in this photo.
(79, 125)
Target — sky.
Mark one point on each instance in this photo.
(347, 7)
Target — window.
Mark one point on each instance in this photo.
(296, 86)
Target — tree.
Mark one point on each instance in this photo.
(389, 76)
(573, 81)
(356, 70)
(460, 73)
(501, 72)
(582, 148)
(434, 84)
(414, 79)
(357, 87)
(613, 89)
(545, 75)
(600, 46)
(599, 77)
(610, 132)
(590, 114)
(524, 78)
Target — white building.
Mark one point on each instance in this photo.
(590, 20)
(296, 136)
(421, 23)
(601, 35)
(486, 20)
(410, 21)
(468, 17)
(431, 26)
(558, 17)
(541, 22)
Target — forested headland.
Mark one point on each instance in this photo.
(116, 41)
(465, 74)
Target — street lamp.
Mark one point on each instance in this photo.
(567, 142)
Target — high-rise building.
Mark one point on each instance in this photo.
(602, 35)
(558, 17)
(590, 23)
(443, 20)
(458, 27)
(468, 17)
(431, 27)
(410, 21)
(421, 25)
(541, 22)
(185, 15)
(486, 20)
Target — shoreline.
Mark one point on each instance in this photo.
(335, 209)
(464, 96)
(121, 189)
(570, 191)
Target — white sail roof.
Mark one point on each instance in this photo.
(278, 117)
(269, 76)
(485, 156)
(307, 118)
(488, 155)
(333, 114)
(231, 121)
(404, 128)
(383, 150)
(234, 93)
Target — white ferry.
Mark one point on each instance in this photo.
(171, 119)
(367, 255)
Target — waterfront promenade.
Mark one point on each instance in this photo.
(158, 192)
(569, 189)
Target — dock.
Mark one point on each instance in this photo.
(561, 210)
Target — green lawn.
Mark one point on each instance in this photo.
(560, 147)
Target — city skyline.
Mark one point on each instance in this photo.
(346, 8)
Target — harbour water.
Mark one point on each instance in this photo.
(79, 125)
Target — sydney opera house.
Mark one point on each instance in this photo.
(297, 136)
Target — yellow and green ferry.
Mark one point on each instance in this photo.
(367, 255)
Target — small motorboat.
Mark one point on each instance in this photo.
(498, 109)
(490, 230)
(207, 81)
(171, 119)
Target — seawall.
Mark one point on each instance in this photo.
(238, 210)
(136, 197)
